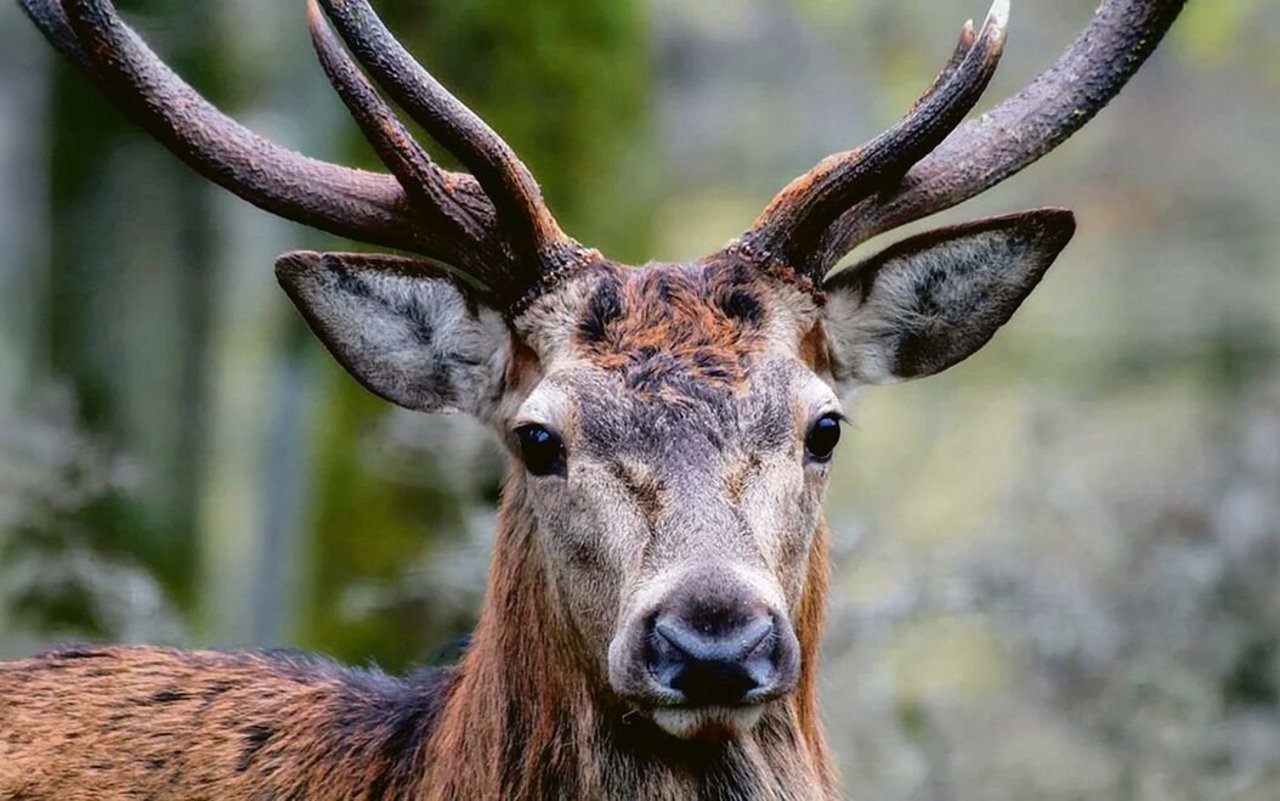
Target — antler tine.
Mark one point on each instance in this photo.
(431, 189)
(532, 230)
(365, 206)
(49, 17)
(360, 205)
(985, 151)
(793, 224)
(968, 35)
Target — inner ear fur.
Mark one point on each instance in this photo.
(933, 300)
(408, 331)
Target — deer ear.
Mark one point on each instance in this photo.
(409, 332)
(933, 300)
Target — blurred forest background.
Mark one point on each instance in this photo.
(1058, 569)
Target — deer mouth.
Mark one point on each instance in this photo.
(708, 722)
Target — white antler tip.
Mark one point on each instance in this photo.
(999, 14)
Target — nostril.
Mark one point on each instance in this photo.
(705, 683)
(754, 634)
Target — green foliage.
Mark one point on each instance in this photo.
(565, 82)
(88, 343)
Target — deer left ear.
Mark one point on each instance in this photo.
(933, 300)
(411, 333)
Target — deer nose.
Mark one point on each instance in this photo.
(713, 659)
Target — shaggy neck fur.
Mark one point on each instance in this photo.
(529, 718)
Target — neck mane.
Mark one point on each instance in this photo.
(527, 717)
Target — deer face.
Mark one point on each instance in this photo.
(673, 427)
(665, 448)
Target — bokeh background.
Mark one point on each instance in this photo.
(1058, 565)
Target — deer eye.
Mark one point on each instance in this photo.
(822, 437)
(541, 450)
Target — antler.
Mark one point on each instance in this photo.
(496, 228)
(797, 217)
(427, 185)
(503, 177)
(922, 166)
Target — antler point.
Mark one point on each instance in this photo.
(999, 13)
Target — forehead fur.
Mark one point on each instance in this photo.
(656, 324)
(672, 329)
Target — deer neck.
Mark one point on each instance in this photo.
(529, 717)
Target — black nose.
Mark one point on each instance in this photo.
(713, 658)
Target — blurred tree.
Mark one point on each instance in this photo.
(125, 319)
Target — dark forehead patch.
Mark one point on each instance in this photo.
(686, 428)
(675, 330)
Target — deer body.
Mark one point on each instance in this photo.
(656, 596)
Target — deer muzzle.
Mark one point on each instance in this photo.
(708, 653)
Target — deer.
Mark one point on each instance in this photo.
(655, 601)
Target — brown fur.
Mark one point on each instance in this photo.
(670, 322)
(810, 623)
(815, 350)
(108, 723)
(521, 717)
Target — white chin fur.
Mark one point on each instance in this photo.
(687, 723)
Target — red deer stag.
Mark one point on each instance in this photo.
(656, 597)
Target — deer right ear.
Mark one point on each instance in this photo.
(933, 300)
(409, 332)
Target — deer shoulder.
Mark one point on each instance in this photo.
(145, 722)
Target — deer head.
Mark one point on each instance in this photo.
(672, 425)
